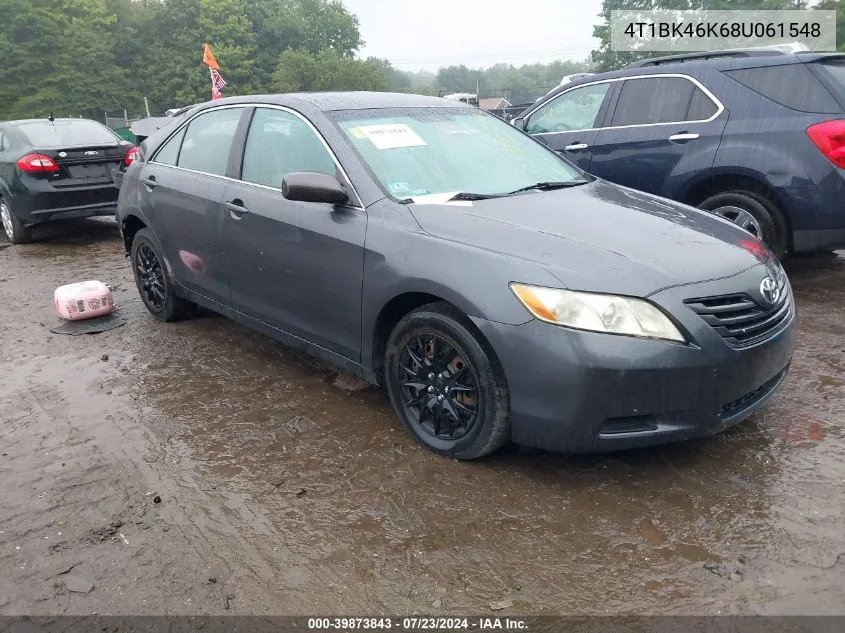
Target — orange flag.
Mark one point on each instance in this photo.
(208, 57)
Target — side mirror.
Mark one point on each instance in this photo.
(309, 186)
(519, 124)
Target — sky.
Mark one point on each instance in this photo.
(427, 34)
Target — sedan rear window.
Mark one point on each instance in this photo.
(424, 151)
(64, 133)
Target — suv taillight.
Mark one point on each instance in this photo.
(37, 164)
(829, 137)
(131, 156)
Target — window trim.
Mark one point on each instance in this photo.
(719, 105)
(357, 203)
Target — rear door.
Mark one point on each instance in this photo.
(569, 122)
(181, 193)
(661, 130)
(85, 151)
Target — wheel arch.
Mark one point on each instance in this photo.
(398, 307)
(739, 179)
(129, 227)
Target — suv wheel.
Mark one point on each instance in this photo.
(15, 231)
(446, 386)
(154, 285)
(753, 213)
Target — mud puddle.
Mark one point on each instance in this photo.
(293, 487)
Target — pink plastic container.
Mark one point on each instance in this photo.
(83, 300)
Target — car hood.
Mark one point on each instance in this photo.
(600, 237)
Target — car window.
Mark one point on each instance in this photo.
(651, 100)
(208, 141)
(64, 133)
(169, 152)
(577, 109)
(280, 143)
(426, 151)
(793, 86)
(701, 107)
(3, 143)
(835, 70)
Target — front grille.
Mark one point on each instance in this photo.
(740, 320)
(752, 396)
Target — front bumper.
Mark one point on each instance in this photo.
(576, 391)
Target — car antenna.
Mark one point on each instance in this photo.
(51, 118)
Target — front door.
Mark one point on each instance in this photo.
(662, 130)
(297, 266)
(181, 191)
(568, 122)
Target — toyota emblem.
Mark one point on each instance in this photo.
(769, 291)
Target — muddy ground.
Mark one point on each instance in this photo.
(287, 487)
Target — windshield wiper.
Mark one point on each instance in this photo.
(472, 196)
(548, 186)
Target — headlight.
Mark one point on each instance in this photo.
(597, 313)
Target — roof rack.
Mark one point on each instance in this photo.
(690, 57)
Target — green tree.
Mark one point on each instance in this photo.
(300, 71)
(59, 55)
(839, 7)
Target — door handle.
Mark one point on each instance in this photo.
(575, 147)
(236, 207)
(683, 137)
(150, 182)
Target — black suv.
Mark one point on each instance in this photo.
(756, 136)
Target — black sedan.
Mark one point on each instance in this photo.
(53, 169)
(497, 292)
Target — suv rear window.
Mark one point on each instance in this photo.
(43, 134)
(835, 71)
(792, 86)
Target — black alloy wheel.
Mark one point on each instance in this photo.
(439, 387)
(446, 384)
(151, 278)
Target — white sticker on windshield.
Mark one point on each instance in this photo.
(391, 136)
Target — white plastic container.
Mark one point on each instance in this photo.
(83, 300)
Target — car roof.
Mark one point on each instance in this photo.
(330, 101)
(690, 63)
(45, 120)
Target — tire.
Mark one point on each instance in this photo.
(15, 232)
(154, 284)
(765, 222)
(433, 347)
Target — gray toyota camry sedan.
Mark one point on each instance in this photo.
(498, 293)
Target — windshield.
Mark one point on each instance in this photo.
(426, 151)
(65, 133)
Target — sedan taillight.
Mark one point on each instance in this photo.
(829, 137)
(131, 156)
(37, 164)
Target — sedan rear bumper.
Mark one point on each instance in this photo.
(575, 391)
(37, 206)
